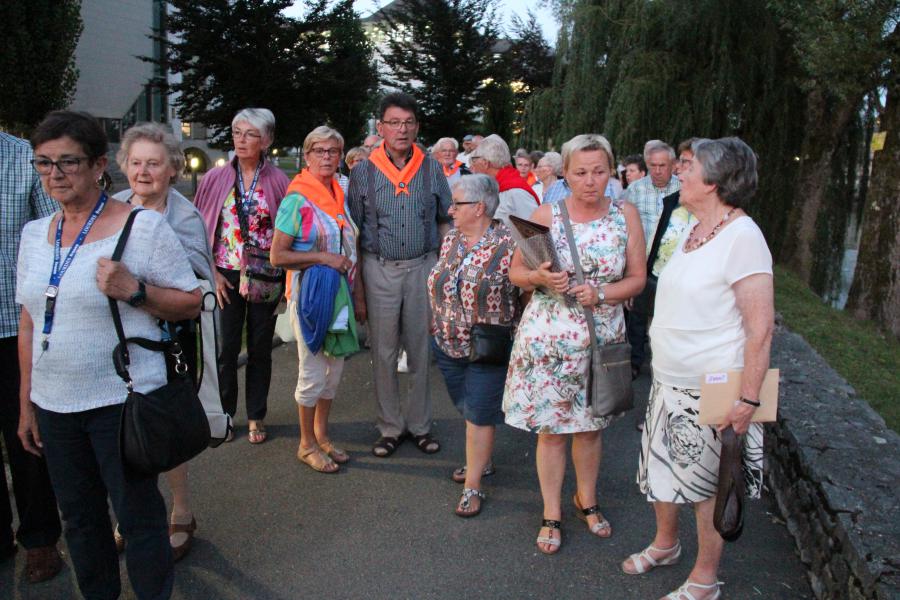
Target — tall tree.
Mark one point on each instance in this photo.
(442, 52)
(875, 293)
(306, 71)
(37, 59)
(528, 64)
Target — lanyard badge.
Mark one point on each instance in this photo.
(61, 266)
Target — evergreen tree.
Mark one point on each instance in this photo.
(528, 65)
(37, 59)
(442, 52)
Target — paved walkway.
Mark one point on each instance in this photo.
(271, 528)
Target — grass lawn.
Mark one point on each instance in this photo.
(865, 356)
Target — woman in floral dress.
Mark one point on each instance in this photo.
(545, 387)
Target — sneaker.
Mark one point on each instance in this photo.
(402, 366)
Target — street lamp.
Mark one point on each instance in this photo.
(195, 164)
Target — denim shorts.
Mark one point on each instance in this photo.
(475, 389)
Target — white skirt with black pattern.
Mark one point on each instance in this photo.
(679, 458)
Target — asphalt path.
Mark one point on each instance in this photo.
(271, 528)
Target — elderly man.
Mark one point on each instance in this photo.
(371, 142)
(445, 151)
(651, 194)
(22, 199)
(468, 146)
(491, 157)
(397, 198)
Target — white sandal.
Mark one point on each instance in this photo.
(671, 557)
(682, 593)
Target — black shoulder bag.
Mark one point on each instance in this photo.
(609, 389)
(164, 428)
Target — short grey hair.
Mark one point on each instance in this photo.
(320, 134)
(586, 142)
(554, 161)
(730, 165)
(494, 150)
(480, 188)
(260, 118)
(654, 146)
(447, 140)
(158, 134)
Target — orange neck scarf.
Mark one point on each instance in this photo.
(400, 178)
(312, 189)
(532, 179)
(450, 171)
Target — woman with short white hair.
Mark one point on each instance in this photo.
(548, 172)
(470, 285)
(445, 151)
(546, 389)
(239, 201)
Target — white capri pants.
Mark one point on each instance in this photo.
(318, 375)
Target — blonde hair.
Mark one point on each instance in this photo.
(321, 134)
(584, 143)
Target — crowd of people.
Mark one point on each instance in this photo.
(416, 246)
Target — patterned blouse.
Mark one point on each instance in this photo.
(471, 287)
(229, 246)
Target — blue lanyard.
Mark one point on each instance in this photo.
(61, 266)
(247, 197)
(466, 261)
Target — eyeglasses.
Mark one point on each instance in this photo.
(458, 204)
(68, 165)
(397, 124)
(320, 152)
(684, 163)
(248, 135)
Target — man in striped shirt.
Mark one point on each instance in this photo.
(397, 198)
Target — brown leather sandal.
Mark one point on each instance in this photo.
(179, 552)
(42, 563)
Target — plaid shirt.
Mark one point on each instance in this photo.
(649, 201)
(22, 199)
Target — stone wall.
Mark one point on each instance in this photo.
(834, 468)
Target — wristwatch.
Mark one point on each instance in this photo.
(601, 296)
(139, 297)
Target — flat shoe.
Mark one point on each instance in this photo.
(683, 593)
(257, 435)
(459, 475)
(464, 508)
(337, 454)
(120, 541)
(551, 541)
(426, 443)
(670, 557)
(179, 551)
(385, 446)
(42, 563)
(317, 460)
(584, 513)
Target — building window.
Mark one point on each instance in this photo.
(186, 130)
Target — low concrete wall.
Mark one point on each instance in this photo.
(834, 468)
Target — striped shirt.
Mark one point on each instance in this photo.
(22, 199)
(649, 201)
(399, 226)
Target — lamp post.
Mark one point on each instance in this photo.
(195, 164)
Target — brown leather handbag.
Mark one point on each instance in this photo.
(728, 517)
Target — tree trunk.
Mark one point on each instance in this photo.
(875, 293)
(826, 118)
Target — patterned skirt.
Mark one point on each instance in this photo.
(679, 458)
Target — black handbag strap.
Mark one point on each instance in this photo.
(121, 357)
(579, 277)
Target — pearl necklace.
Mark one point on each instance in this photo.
(692, 243)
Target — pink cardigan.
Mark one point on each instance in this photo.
(218, 182)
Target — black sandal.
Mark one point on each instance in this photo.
(385, 446)
(553, 542)
(426, 443)
(459, 475)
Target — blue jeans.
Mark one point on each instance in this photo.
(476, 389)
(82, 451)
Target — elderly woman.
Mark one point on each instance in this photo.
(152, 159)
(468, 285)
(548, 172)
(635, 168)
(546, 386)
(247, 189)
(714, 312)
(70, 393)
(445, 152)
(312, 228)
(355, 155)
(525, 166)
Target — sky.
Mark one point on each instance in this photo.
(507, 9)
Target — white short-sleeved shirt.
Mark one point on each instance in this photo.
(76, 372)
(697, 327)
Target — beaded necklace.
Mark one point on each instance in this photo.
(692, 243)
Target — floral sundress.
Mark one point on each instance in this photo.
(545, 386)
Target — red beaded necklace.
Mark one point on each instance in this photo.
(693, 243)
